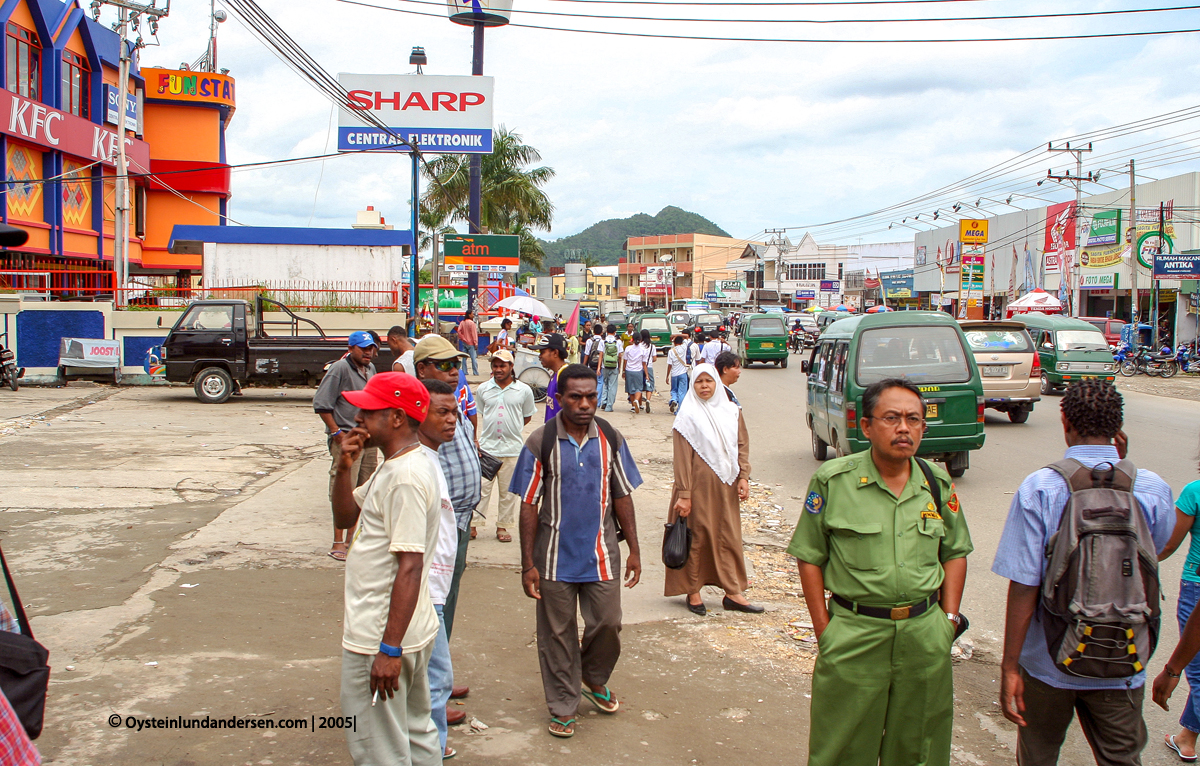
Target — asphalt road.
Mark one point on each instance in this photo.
(1163, 437)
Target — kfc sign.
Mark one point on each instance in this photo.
(444, 114)
(50, 128)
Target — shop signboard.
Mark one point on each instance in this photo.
(491, 13)
(830, 286)
(806, 295)
(189, 87)
(921, 255)
(1098, 281)
(731, 285)
(112, 95)
(711, 296)
(54, 129)
(1105, 228)
(898, 284)
(450, 299)
(970, 303)
(499, 253)
(1060, 236)
(973, 231)
(1177, 265)
(1108, 256)
(443, 114)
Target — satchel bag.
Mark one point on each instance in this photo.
(489, 465)
(677, 544)
(24, 672)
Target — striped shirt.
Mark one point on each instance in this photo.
(1033, 519)
(577, 535)
(460, 465)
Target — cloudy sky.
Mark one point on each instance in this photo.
(751, 135)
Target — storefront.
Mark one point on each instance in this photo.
(898, 289)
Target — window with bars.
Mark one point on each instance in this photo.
(75, 85)
(798, 271)
(23, 53)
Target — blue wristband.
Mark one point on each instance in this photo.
(391, 651)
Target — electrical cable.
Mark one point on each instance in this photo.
(1092, 36)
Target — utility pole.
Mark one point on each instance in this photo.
(1133, 258)
(127, 13)
(1077, 181)
(777, 239)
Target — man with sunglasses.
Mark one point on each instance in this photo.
(884, 532)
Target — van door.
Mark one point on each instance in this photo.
(818, 389)
(1045, 348)
(836, 398)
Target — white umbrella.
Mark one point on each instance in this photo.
(526, 305)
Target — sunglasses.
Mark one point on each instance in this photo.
(446, 365)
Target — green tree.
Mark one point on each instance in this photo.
(511, 200)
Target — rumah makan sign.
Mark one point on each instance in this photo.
(442, 114)
(51, 128)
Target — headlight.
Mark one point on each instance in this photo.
(1062, 366)
(1109, 367)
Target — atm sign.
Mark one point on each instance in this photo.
(972, 232)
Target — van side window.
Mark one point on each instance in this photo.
(839, 365)
(826, 371)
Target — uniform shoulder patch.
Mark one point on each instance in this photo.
(952, 503)
(814, 503)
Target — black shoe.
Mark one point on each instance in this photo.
(647, 406)
(733, 606)
(672, 407)
(699, 609)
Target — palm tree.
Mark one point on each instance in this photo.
(511, 199)
(430, 221)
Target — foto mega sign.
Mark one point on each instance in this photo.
(443, 114)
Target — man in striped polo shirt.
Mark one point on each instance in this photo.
(579, 470)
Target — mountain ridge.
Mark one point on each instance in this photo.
(604, 239)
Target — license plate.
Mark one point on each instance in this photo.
(767, 345)
(930, 411)
(995, 371)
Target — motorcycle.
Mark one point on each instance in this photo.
(1161, 364)
(1183, 358)
(796, 340)
(8, 365)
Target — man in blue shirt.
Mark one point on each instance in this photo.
(583, 482)
(552, 353)
(1034, 694)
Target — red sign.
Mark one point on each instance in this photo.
(42, 125)
(1060, 235)
(654, 290)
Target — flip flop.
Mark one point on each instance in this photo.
(448, 753)
(504, 537)
(605, 702)
(568, 728)
(1170, 743)
(339, 555)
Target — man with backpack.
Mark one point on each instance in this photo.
(609, 350)
(591, 357)
(884, 532)
(1057, 660)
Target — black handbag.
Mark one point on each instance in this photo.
(489, 465)
(677, 544)
(24, 672)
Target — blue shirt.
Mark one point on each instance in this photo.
(576, 536)
(1189, 503)
(1021, 556)
(552, 407)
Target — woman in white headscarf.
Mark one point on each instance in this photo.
(712, 477)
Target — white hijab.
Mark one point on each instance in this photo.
(711, 427)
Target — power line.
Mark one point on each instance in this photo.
(1093, 36)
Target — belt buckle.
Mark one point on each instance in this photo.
(900, 612)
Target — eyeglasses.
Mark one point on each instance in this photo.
(446, 365)
(891, 421)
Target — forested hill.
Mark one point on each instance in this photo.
(602, 241)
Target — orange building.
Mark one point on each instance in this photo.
(59, 134)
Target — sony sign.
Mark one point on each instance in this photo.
(441, 114)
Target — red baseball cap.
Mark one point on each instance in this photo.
(392, 391)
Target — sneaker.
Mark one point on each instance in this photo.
(647, 406)
(672, 407)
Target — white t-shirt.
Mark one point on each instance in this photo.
(636, 357)
(405, 363)
(400, 514)
(677, 361)
(502, 339)
(441, 571)
(713, 349)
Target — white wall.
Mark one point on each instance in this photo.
(254, 264)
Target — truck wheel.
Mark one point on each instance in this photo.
(213, 385)
(1018, 415)
(820, 448)
(957, 465)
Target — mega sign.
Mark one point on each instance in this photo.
(53, 129)
(482, 252)
(192, 87)
(972, 232)
(442, 114)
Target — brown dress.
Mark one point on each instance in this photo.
(715, 520)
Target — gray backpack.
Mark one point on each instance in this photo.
(1100, 596)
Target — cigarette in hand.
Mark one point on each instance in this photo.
(375, 698)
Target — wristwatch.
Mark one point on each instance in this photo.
(391, 651)
(954, 618)
(1172, 675)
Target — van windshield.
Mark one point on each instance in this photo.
(921, 354)
(1080, 340)
(998, 340)
(764, 326)
(655, 324)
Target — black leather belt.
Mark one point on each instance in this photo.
(886, 613)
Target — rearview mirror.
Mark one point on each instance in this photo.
(804, 366)
(160, 321)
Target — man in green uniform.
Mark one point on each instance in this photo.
(872, 533)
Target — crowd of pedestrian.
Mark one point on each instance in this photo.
(881, 548)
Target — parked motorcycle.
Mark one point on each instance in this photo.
(9, 373)
(1185, 359)
(1161, 364)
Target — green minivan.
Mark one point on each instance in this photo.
(1068, 349)
(659, 327)
(762, 338)
(926, 347)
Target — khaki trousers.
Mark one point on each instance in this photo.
(1111, 720)
(509, 503)
(362, 470)
(397, 731)
(566, 664)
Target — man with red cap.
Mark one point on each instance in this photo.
(390, 623)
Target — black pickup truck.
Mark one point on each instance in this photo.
(219, 345)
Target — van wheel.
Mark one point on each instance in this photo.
(1018, 416)
(783, 363)
(957, 465)
(837, 444)
(820, 448)
(213, 385)
(1047, 389)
